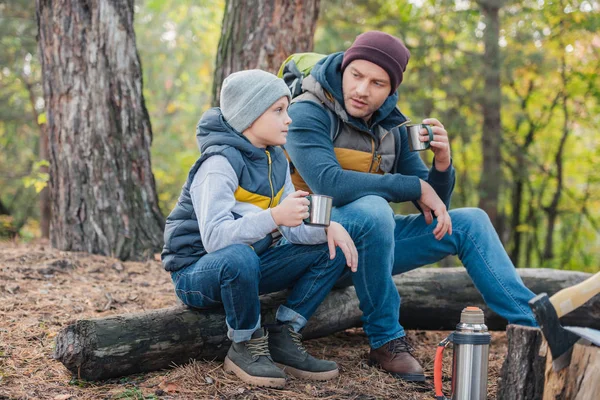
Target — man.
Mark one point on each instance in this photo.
(367, 165)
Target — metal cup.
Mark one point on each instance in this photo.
(414, 135)
(319, 210)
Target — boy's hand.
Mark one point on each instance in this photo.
(338, 236)
(292, 210)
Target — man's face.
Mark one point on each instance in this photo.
(366, 86)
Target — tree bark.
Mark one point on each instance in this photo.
(491, 175)
(101, 184)
(262, 34)
(522, 374)
(432, 299)
(527, 373)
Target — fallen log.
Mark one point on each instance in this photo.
(432, 298)
(527, 372)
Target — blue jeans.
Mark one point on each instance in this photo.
(235, 276)
(391, 244)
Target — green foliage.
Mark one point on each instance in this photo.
(20, 102)
(444, 79)
(550, 95)
(177, 42)
(134, 394)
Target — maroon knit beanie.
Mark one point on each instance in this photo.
(382, 49)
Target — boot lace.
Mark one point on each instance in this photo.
(297, 339)
(400, 345)
(259, 346)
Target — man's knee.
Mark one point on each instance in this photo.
(469, 218)
(367, 213)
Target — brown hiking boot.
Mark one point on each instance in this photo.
(395, 358)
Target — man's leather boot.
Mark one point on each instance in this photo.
(395, 358)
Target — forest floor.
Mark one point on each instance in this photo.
(42, 290)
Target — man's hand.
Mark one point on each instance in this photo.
(338, 236)
(431, 202)
(440, 145)
(292, 210)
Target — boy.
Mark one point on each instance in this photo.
(222, 239)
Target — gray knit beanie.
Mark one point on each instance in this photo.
(245, 95)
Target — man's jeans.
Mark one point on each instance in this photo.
(235, 276)
(391, 244)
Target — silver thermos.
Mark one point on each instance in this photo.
(471, 345)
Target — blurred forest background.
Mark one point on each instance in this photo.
(542, 187)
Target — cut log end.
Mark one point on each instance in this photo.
(528, 374)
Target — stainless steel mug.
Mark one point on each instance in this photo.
(319, 210)
(414, 135)
(471, 345)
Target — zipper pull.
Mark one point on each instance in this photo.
(268, 156)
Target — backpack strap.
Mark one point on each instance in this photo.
(334, 131)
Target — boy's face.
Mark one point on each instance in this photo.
(366, 86)
(271, 128)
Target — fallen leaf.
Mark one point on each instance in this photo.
(63, 397)
(169, 387)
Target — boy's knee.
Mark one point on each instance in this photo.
(241, 262)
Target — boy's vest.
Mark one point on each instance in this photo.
(356, 150)
(260, 182)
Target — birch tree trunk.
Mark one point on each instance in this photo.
(262, 34)
(101, 184)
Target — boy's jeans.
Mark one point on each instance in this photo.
(391, 244)
(235, 276)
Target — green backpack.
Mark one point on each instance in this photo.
(297, 67)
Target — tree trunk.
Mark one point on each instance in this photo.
(552, 209)
(101, 184)
(262, 34)
(491, 175)
(432, 299)
(527, 373)
(522, 374)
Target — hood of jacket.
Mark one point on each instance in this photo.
(213, 130)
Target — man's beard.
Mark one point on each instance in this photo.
(359, 113)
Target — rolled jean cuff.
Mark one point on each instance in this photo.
(380, 343)
(241, 335)
(291, 317)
